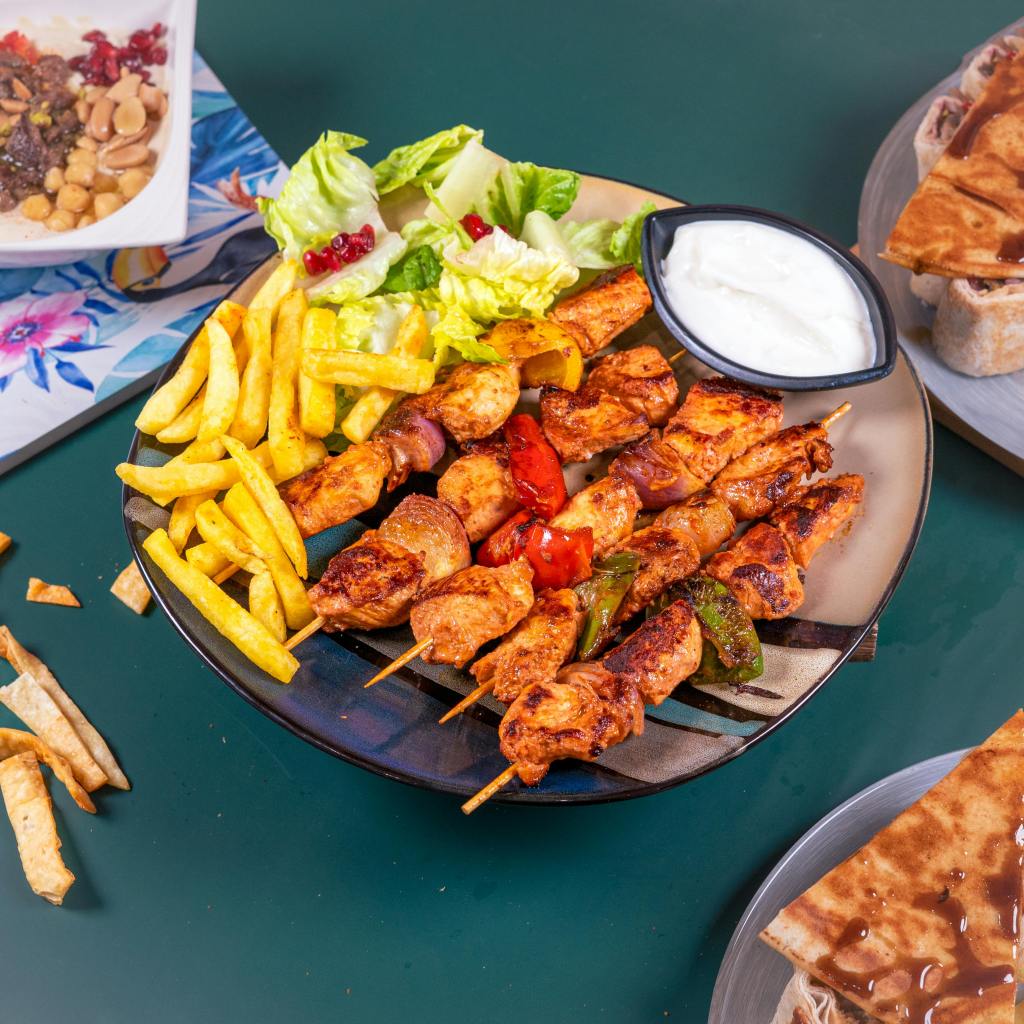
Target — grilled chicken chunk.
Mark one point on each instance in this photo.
(761, 572)
(608, 507)
(720, 419)
(705, 517)
(666, 556)
(614, 302)
(475, 399)
(339, 489)
(464, 611)
(369, 585)
(814, 514)
(659, 655)
(479, 487)
(579, 424)
(585, 710)
(430, 529)
(770, 472)
(657, 470)
(536, 649)
(641, 378)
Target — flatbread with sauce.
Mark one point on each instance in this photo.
(922, 924)
(966, 218)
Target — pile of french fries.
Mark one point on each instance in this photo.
(251, 401)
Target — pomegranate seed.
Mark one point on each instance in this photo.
(330, 258)
(476, 227)
(311, 261)
(158, 55)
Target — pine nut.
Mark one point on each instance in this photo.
(14, 106)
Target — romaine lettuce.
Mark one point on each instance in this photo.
(362, 278)
(371, 325)
(428, 160)
(589, 242)
(456, 330)
(519, 188)
(419, 268)
(625, 242)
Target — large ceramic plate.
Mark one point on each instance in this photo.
(392, 729)
(753, 976)
(988, 411)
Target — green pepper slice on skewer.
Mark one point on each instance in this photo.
(601, 597)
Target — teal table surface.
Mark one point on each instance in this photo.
(249, 877)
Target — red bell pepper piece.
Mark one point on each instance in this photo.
(501, 547)
(560, 558)
(535, 466)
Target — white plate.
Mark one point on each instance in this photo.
(159, 214)
(991, 408)
(752, 976)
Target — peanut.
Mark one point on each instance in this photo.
(73, 198)
(161, 110)
(60, 220)
(127, 156)
(95, 93)
(82, 110)
(36, 207)
(126, 88)
(133, 181)
(150, 96)
(99, 126)
(14, 106)
(130, 116)
(80, 174)
(106, 203)
(21, 90)
(54, 179)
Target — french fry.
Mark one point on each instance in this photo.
(50, 593)
(241, 508)
(25, 661)
(314, 451)
(364, 369)
(215, 528)
(247, 633)
(31, 813)
(276, 287)
(130, 588)
(265, 604)
(207, 559)
(38, 710)
(199, 451)
(368, 411)
(172, 397)
(221, 400)
(183, 517)
(185, 425)
(316, 397)
(17, 741)
(259, 484)
(284, 431)
(254, 392)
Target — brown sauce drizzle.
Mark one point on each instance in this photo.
(971, 979)
(1012, 249)
(1005, 89)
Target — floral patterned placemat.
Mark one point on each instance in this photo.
(78, 339)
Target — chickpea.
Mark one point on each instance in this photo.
(87, 142)
(36, 207)
(80, 174)
(133, 181)
(53, 180)
(85, 220)
(107, 203)
(73, 198)
(60, 220)
(82, 156)
(104, 182)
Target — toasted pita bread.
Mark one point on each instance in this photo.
(925, 915)
(5, 542)
(50, 593)
(966, 218)
(17, 741)
(806, 1001)
(131, 588)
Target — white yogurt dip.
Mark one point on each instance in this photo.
(767, 299)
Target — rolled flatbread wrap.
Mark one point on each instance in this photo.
(807, 1001)
(936, 129)
(979, 71)
(979, 327)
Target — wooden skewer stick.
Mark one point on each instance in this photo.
(490, 789)
(470, 698)
(835, 415)
(402, 659)
(303, 634)
(678, 355)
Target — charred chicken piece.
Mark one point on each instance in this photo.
(705, 517)
(720, 419)
(657, 471)
(815, 513)
(369, 585)
(580, 714)
(474, 400)
(536, 649)
(339, 489)
(608, 507)
(659, 655)
(479, 487)
(461, 613)
(579, 424)
(666, 556)
(641, 378)
(769, 473)
(614, 302)
(760, 571)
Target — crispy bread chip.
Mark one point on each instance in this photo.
(26, 661)
(38, 710)
(50, 593)
(5, 542)
(131, 589)
(17, 741)
(31, 813)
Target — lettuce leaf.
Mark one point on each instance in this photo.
(327, 191)
(625, 241)
(418, 269)
(456, 332)
(519, 188)
(359, 279)
(499, 278)
(371, 325)
(428, 160)
(589, 242)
